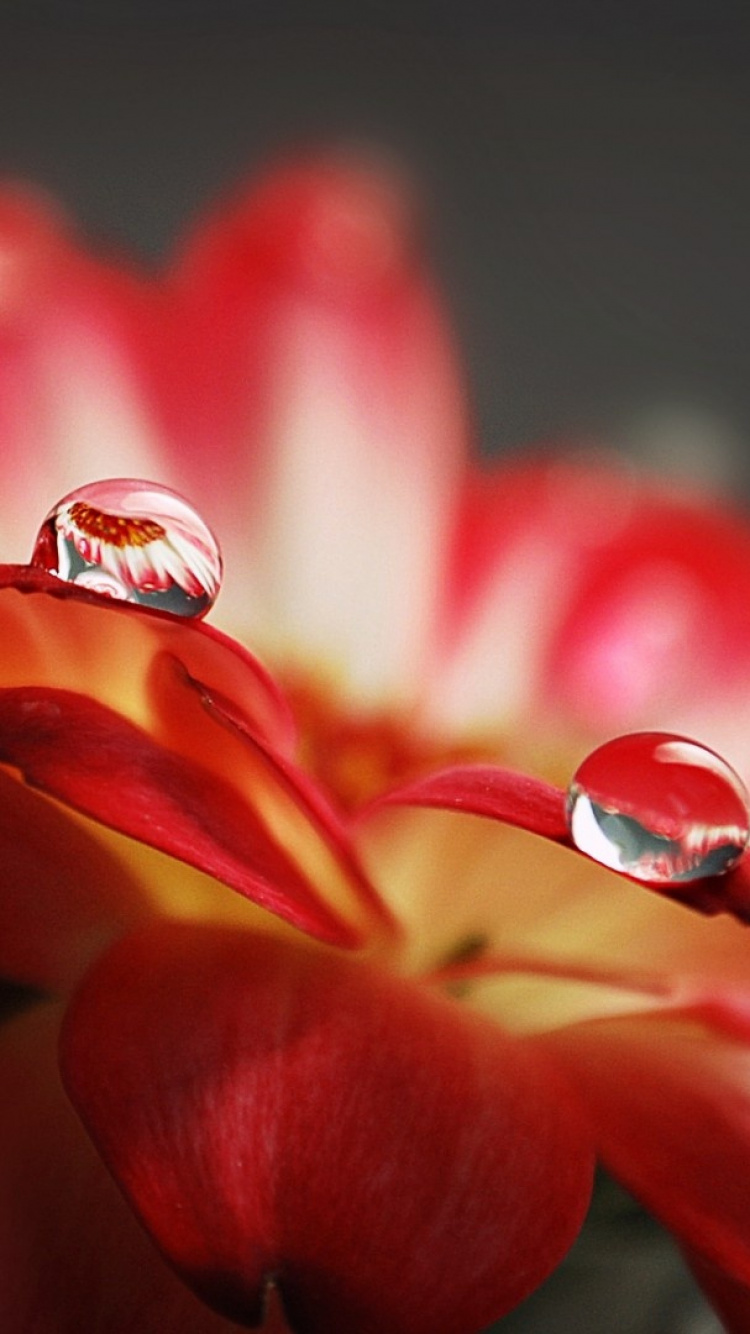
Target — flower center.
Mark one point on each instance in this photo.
(357, 755)
(116, 529)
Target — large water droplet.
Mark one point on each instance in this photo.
(661, 808)
(135, 541)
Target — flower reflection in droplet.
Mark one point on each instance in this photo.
(135, 541)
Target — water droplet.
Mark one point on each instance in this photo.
(134, 541)
(661, 808)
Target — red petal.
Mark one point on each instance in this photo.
(399, 1164)
(76, 750)
(201, 782)
(483, 789)
(730, 1299)
(72, 1257)
(62, 895)
(670, 1098)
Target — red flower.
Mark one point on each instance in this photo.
(376, 1075)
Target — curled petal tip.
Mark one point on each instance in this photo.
(529, 803)
(341, 224)
(487, 790)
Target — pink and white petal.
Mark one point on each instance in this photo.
(521, 538)
(581, 591)
(72, 1256)
(82, 346)
(328, 366)
(271, 1108)
(669, 1095)
(658, 627)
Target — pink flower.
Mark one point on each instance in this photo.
(377, 1074)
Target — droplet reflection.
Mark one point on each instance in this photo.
(135, 541)
(660, 808)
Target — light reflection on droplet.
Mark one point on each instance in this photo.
(660, 808)
(134, 541)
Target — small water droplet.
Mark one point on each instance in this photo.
(660, 808)
(134, 541)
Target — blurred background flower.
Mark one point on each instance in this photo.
(585, 175)
(584, 165)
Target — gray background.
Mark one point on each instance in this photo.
(587, 173)
(586, 168)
